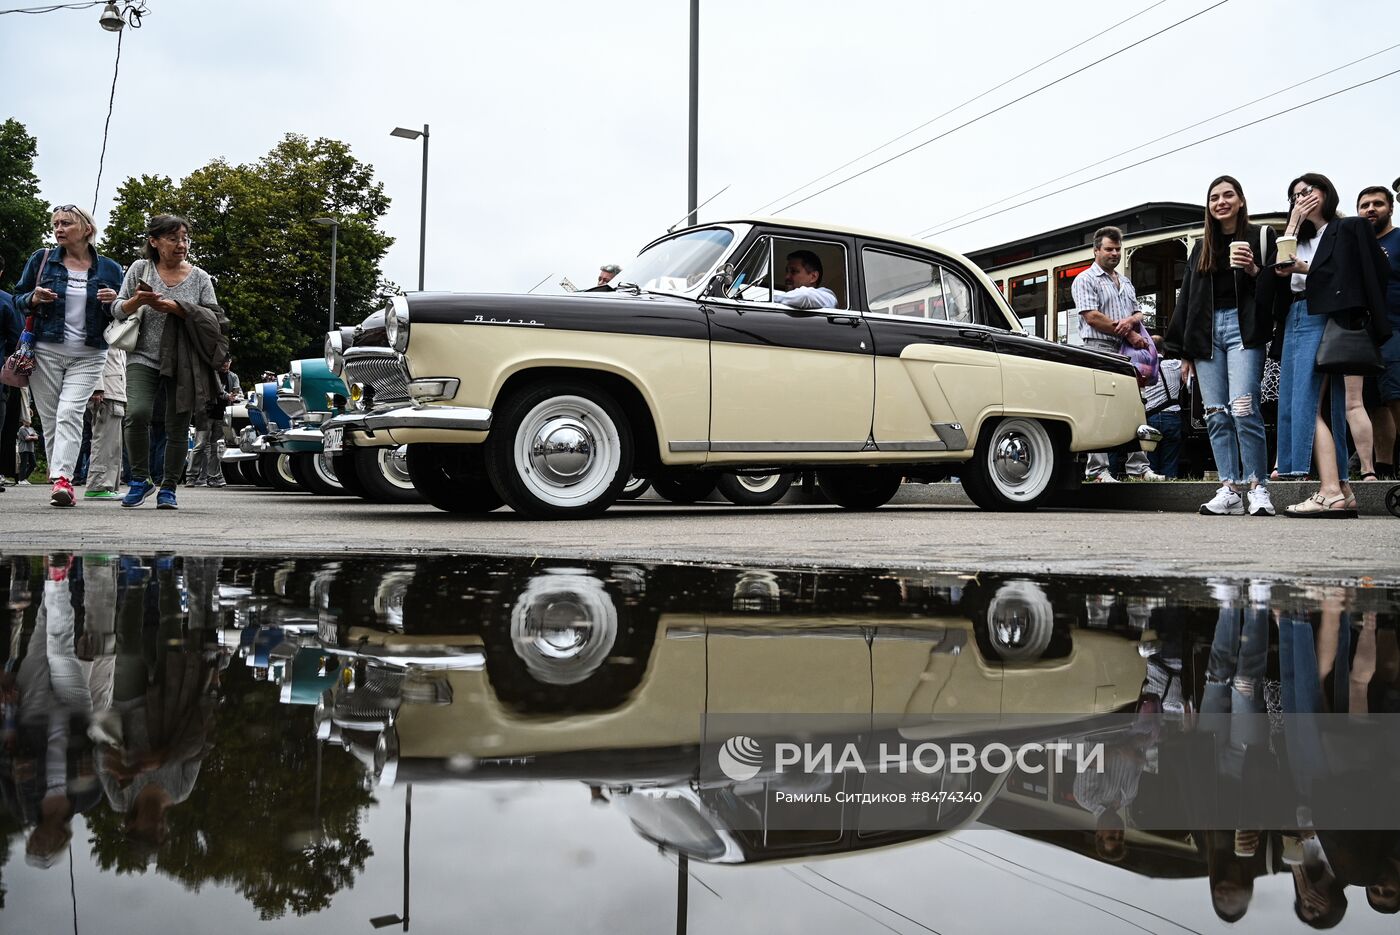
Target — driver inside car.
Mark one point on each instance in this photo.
(803, 283)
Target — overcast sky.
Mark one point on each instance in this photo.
(559, 128)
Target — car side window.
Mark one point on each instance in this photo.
(914, 288)
(765, 266)
(957, 297)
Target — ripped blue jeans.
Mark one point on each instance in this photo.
(1229, 384)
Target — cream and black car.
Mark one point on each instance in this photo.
(550, 404)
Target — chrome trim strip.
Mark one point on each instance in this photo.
(952, 434)
(688, 446)
(450, 385)
(788, 446)
(912, 446)
(433, 417)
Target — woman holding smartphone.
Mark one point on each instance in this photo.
(154, 286)
(1222, 327)
(1339, 272)
(68, 290)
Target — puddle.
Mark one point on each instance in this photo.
(342, 744)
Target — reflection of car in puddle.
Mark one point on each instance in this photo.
(563, 626)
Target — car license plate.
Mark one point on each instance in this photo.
(334, 440)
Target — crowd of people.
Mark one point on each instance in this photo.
(96, 404)
(1321, 300)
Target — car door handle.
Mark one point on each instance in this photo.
(972, 333)
(843, 320)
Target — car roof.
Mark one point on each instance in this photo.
(801, 224)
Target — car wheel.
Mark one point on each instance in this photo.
(859, 488)
(452, 478)
(252, 472)
(344, 467)
(315, 473)
(1020, 621)
(684, 486)
(277, 469)
(754, 489)
(634, 488)
(383, 472)
(233, 474)
(561, 450)
(1015, 466)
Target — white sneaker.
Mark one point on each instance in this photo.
(23, 483)
(1149, 474)
(1104, 478)
(1260, 503)
(1225, 503)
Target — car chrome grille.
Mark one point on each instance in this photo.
(380, 369)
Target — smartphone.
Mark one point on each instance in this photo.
(143, 286)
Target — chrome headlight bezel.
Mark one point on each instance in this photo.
(334, 352)
(396, 323)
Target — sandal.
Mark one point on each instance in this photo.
(1319, 507)
(1369, 476)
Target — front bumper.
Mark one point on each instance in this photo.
(405, 424)
(1148, 437)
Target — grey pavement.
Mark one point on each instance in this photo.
(928, 527)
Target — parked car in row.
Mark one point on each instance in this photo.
(700, 365)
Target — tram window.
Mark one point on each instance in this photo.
(1030, 295)
(897, 285)
(1066, 318)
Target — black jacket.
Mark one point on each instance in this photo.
(1191, 332)
(1348, 274)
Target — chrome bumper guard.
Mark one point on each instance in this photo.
(462, 418)
(1148, 437)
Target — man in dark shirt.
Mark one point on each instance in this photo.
(1377, 205)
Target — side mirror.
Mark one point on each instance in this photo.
(721, 281)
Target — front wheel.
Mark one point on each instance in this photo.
(1015, 466)
(452, 478)
(383, 473)
(277, 471)
(315, 473)
(560, 451)
(684, 486)
(634, 488)
(859, 488)
(754, 489)
(344, 467)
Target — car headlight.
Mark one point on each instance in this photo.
(396, 323)
(334, 349)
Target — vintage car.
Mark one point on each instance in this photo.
(551, 404)
(240, 467)
(265, 417)
(307, 400)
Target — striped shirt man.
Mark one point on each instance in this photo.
(1095, 291)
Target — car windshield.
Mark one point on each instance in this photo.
(679, 263)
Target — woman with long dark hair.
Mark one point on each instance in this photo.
(68, 290)
(1221, 329)
(1339, 272)
(158, 283)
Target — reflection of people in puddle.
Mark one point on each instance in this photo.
(46, 768)
(155, 733)
(1232, 874)
(1107, 794)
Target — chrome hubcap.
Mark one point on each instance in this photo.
(562, 450)
(1013, 459)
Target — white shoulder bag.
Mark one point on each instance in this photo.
(121, 333)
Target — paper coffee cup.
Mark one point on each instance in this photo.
(1236, 247)
(1287, 250)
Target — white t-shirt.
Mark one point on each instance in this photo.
(75, 319)
(1299, 281)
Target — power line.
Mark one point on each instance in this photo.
(971, 100)
(936, 229)
(887, 908)
(1171, 152)
(55, 7)
(111, 101)
(998, 109)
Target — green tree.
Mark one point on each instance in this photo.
(253, 232)
(24, 217)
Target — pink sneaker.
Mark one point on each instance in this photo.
(62, 494)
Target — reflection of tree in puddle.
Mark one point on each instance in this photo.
(251, 822)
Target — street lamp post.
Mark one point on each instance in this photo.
(334, 225)
(423, 212)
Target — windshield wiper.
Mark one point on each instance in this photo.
(630, 287)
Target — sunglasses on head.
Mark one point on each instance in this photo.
(62, 208)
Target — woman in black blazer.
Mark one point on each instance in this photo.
(1339, 272)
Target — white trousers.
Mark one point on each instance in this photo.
(105, 462)
(61, 386)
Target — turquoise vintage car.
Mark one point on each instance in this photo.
(308, 397)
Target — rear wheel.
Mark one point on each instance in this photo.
(684, 486)
(344, 467)
(1016, 466)
(277, 469)
(252, 472)
(859, 488)
(453, 478)
(315, 473)
(754, 489)
(383, 472)
(560, 451)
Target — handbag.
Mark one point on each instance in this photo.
(19, 365)
(1348, 351)
(121, 333)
